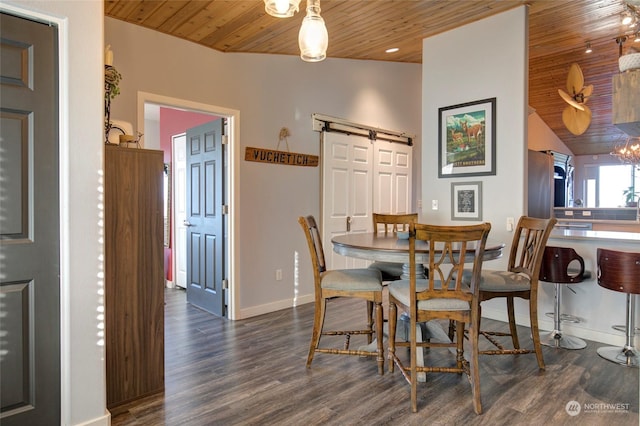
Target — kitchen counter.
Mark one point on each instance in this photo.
(596, 236)
(598, 308)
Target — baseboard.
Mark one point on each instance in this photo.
(274, 306)
(614, 338)
(99, 421)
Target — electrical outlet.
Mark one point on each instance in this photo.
(419, 204)
(278, 274)
(434, 204)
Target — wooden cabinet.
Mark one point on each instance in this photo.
(134, 273)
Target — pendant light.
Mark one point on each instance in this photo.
(281, 8)
(313, 37)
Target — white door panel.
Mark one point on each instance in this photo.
(359, 177)
(347, 175)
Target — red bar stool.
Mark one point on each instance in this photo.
(620, 271)
(562, 265)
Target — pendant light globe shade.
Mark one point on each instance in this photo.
(313, 38)
(281, 8)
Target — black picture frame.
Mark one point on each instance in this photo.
(467, 139)
(466, 200)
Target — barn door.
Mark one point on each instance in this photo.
(347, 170)
(361, 174)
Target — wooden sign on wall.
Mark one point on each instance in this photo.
(280, 157)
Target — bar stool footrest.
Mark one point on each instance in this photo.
(565, 318)
(623, 329)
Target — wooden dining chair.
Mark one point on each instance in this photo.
(391, 223)
(362, 283)
(520, 279)
(442, 296)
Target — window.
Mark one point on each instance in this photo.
(606, 184)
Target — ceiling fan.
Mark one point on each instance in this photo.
(577, 115)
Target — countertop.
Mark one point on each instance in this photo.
(574, 234)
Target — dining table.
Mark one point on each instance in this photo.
(389, 247)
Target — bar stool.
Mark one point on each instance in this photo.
(619, 271)
(562, 265)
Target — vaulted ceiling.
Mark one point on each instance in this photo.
(359, 29)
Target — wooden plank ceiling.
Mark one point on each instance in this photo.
(358, 29)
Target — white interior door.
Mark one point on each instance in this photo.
(392, 178)
(179, 210)
(361, 176)
(347, 170)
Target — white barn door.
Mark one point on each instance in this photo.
(347, 170)
(392, 178)
(360, 176)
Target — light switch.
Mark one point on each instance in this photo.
(510, 224)
(434, 204)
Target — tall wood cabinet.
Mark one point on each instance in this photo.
(134, 273)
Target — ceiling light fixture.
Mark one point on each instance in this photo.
(313, 38)
(392, 50)
(630, 16)
(589, 50)
(281, 8)
(630, 152)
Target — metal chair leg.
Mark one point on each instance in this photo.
(556, 338)
(627, 355)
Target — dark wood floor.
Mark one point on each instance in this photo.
(252, 372)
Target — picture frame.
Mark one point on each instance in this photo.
(467, 139)
(466, 201)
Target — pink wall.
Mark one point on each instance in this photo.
(173, 122)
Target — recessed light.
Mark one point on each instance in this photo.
(392, 50)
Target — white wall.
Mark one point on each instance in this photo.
(541, 137)
(270, 92)
(471, 63)
(81, 93)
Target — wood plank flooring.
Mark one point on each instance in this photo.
(252, 372)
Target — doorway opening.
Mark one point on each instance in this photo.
(148, 107)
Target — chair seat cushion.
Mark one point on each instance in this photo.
(389, 270)
(498, 281)
(400, 290)
(352, 280)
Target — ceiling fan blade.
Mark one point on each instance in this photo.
(575, 79)
(568, 99)
(587, 91)
(576, 121)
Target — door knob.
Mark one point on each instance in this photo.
(187, 223)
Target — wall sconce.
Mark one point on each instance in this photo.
(588, 50)
(281, 8)
(313, 38)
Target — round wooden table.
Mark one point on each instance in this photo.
(389, 248)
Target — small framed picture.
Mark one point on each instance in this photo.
(466, 201)
(467, 139)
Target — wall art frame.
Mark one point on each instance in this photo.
(466, 201)
(467, 139)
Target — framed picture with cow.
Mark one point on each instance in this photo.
(467, 139)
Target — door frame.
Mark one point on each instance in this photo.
(174, 221)
(231, 185)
